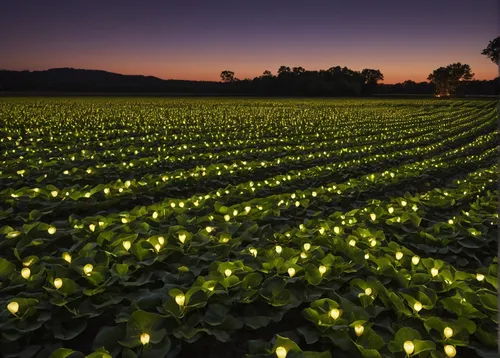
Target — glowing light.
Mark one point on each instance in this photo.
(399, 255)
(66, 257)
(51, 230)
(417, 306)
(415, 260)
(58, 283)
(182, 237)
(434, 272)
(448, 332)
(180, 299)
(13, 307)
(450, 351)
(145, 338)
(335, 313)
(281, 352)
(155, 215)
(291, 271)
(126, 245)
(409, 347)
(480, 277)
(228, 272)
(322, 270)
(87, 269)
(307, 246)
(278, 249)
(352, 242)
(368, 291)
(359, 329)
(253, 252)
(26, 273)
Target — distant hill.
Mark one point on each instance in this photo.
(78, 80)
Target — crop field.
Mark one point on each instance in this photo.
(141, 227)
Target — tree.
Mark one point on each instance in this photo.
(227, 76)
(446, 79)
(372, 76)
(283, 69)
(492, 51)
(267, 73)
(298, 70)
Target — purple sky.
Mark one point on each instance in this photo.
(197, 39)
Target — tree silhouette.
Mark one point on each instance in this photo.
(492, 51)
(372, 76)
(267, 73)
(298, 70)
(446, 79)
(227, 76)
(283, 69)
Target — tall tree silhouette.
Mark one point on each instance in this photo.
(446, 79)
(227, 76)
(492, 51)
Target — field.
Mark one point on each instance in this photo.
(246, 227)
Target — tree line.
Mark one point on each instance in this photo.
(455, 78)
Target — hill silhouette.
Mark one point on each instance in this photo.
(305, 83)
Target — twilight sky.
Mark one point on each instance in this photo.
(197, 39)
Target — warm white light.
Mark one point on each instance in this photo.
(399, 255)
(228, 272)
(480, 277)
(13, 307)
(415, 260)
(409, 347)
(26, 273)
(335, 313)
(307, 246)
(253, 252)
(417, 306)
(434, 272)
(281, 352)
(67, 257)
(58, 283)
(180, 299)
(51, 230)
(359, 329)
(182, 237)
(291, 271)
(87, 269)
(126, 245)
(368, 291)
(450, 351)
(278, 249)
(322, 269)
(448, 332)
(145, 338)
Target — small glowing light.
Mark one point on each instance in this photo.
(448, 332)
(399, 255)
(450, 222)
(434, 272)
(368, 291)
(182, 237)
(92, 227)
(307, 246)
(417, 306)
(67, 257)
(480, 277)
(247, 209)
(322, 230)
(161, 240)
(322, 270)
(281, 352)
(26, 273)
(367, 256)
(145, 338)
(155, 215)
(180, 299)
(253, 252)
(409, 347)
(373, 216)
(352, 242)
(450, 351)
(54, 193)
(51, 230)
(58, 283)
(13, 307)
(124, 220)
(415, 260)
(303, 255)
(335, 313)
(359, 329)
(228, 272)
(403, 203)
(209, 229)
(278, 249)
(336, 230)
(227, 217)
(157, 247)
(390, 210)
(291, 271)
(87, 269)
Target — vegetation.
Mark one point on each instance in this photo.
(225, 228)
(492, 51)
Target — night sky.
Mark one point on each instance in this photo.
(197, 39)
